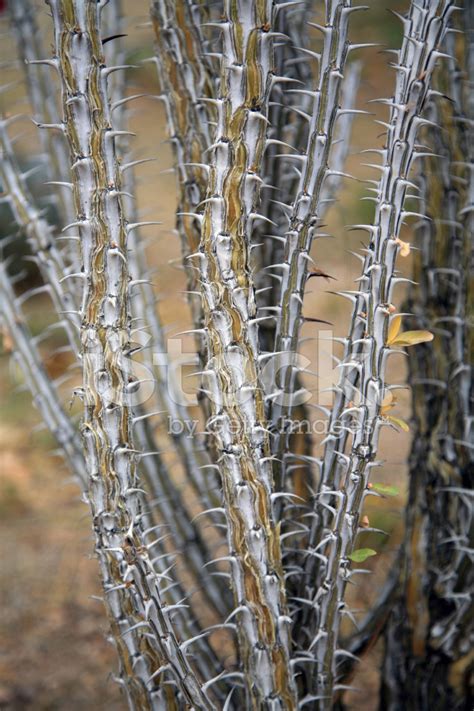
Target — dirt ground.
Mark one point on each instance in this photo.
(54, 653)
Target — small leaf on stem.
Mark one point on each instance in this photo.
(361, 554)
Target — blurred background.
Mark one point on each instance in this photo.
(54, 652)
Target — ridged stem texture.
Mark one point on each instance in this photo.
(288, 126)
(184, 76)
(428, 659)
(304, 218)
(142, 630)
(344, 477)
(41, 239)
(233, 372)
(187, 93)
(182, 544)
(44, 102)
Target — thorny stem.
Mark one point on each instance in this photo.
(304, 219)
(428, 656)
(167, 499)
(42, 241)
(220, 174)
(44, 101)
(131, 585)
(185, 80)
(228, 300)
(280, 175)
(187, 93)
(43, 391)
(424, 31)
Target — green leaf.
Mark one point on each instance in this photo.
(361, 554)
(385, 489)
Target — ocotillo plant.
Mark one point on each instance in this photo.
(226, 548)
(435, 574)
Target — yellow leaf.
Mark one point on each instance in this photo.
(387, 403)
(398, 422)
(393, 329)
(411, 338)
(404, 247)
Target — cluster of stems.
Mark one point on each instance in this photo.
(228, 591)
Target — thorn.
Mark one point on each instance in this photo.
(110, 70)
(320, 273)
(135, 225)
(132, 163)
(112, 37)
(316, 320)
